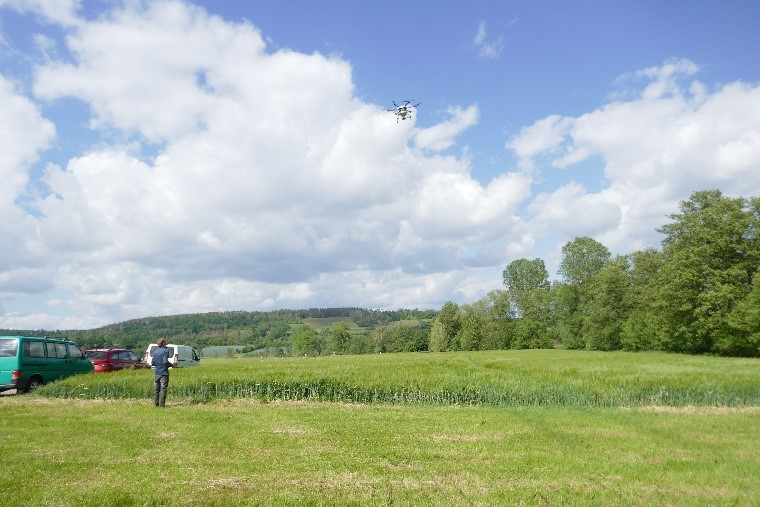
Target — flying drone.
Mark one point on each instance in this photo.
(404, 111)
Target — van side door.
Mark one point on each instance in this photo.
(56, 360)
(33, 360)
(78, 362)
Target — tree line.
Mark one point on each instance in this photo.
(698, 294)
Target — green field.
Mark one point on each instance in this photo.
(227, 445)
(502, 378)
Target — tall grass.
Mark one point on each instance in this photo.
(500, 378)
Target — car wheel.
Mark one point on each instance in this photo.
(33, 384)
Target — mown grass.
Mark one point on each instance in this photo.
(119, 452)
(550, 428)
(500, 378)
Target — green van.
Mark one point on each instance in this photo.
(27, 362)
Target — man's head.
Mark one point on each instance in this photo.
(161, 342)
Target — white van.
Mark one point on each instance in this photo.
(183, 356)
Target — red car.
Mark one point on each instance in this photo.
(106, 360)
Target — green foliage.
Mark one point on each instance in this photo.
(450, 321)
(411, 337)
(711, 255)
(306, 342)
(529, 300)
(745, 322)
(439, 339)
(523, 275)
(607, 307)
(338, 338)
(566, 316)
(582, 258)
(641, 330)
(471, 333)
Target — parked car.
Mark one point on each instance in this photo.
(27, 362)
(106, 360)
(183, 356)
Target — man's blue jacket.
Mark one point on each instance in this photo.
(160, 357)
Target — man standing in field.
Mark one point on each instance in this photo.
(161, 362)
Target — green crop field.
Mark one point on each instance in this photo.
(509, 378)
(549, 428)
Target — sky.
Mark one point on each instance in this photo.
(171, 157)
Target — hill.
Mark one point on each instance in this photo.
(255, 330)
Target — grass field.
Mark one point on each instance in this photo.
(218, 449)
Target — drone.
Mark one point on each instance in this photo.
(404, 111)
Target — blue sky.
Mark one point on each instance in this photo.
(174, 157)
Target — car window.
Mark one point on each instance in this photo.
(34, 349)
(131, 356)
(50, 347)
(74, 350)
(95, 354)
(8, 347)
(60, 350)
(171, 351)
(122, 356)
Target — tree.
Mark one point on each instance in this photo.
(450, 320)
(711, 255)
(745, 321)
(497, 323)
(582, 258)
(527, 283)
(641, 329)
(566, 321)
(532, 329)
(606, 306)
(338, 338)
(471, 333)
(439, 340)
(400, 338)
(523, 275)
(306, 342)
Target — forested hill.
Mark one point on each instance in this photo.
(254, 329)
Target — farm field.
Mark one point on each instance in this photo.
(502, 378)
(215, 448)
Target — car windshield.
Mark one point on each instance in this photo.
(95, 354)
(8, 347)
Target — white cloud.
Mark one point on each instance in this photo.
(272, 185)
(657, 148)
(544, 135)
(24, 133)
(62, 12)
(487, 49)
(442, 136)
